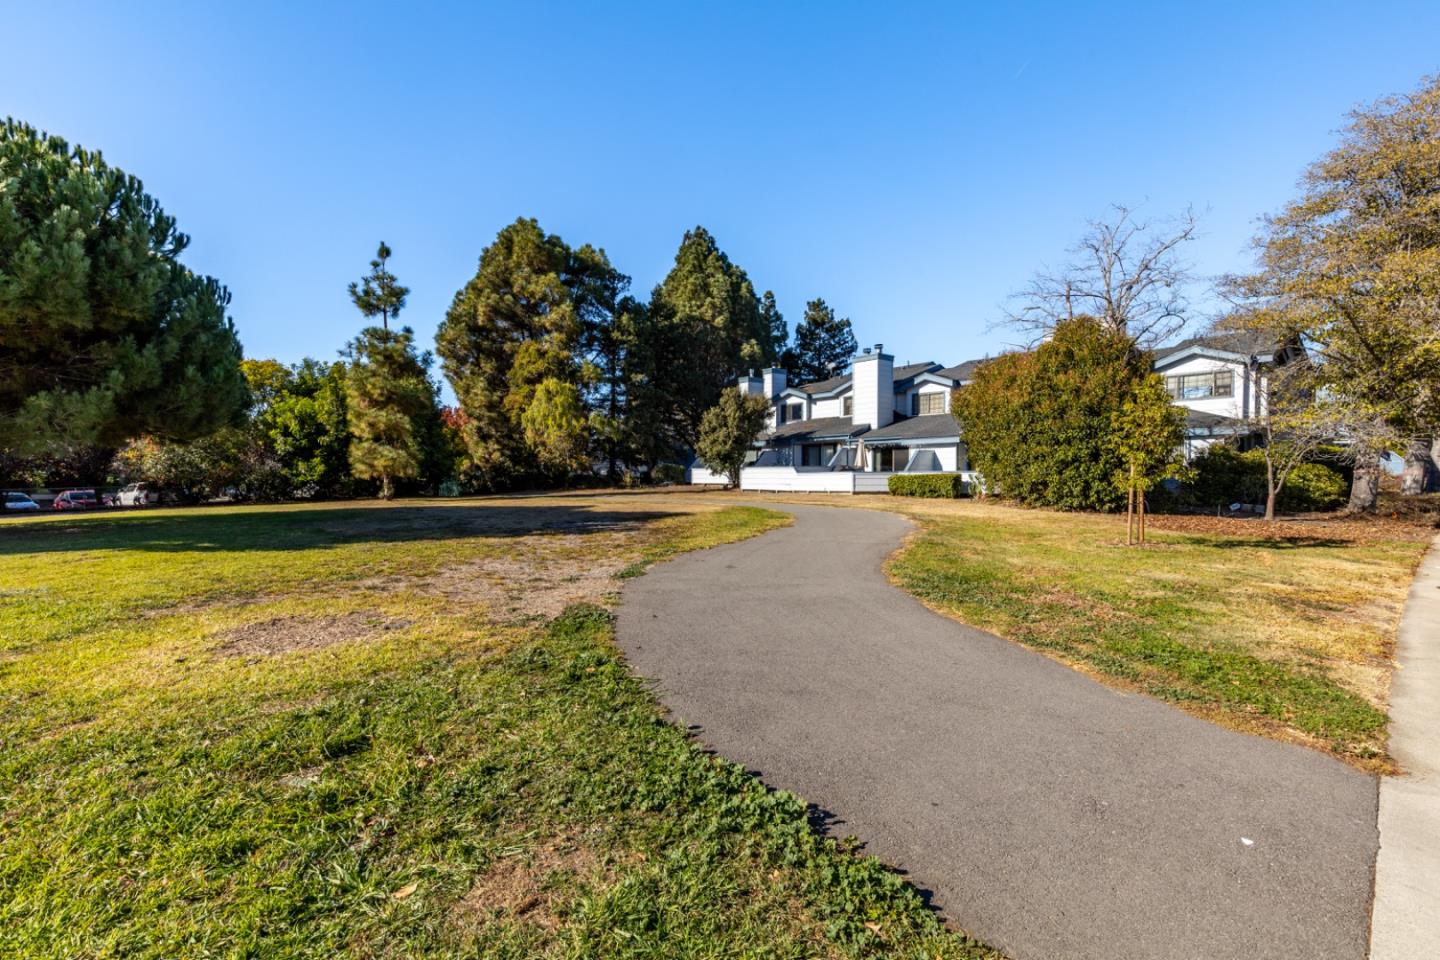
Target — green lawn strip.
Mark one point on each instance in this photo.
(449, 789)
(1104, 607)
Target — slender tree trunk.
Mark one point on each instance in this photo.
(1271, 494)
(1419, 474)
(387, 488)
(1130, 509)
(1365, 488)
(1140, 504)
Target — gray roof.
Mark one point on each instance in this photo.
(823, 428)
(962, 371)
(932, 425)
(1244, 342)
(900, 373)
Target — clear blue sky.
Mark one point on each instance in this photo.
(913, 164)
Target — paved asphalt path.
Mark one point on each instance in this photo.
(1047, 814)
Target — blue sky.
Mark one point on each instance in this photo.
(911, 163)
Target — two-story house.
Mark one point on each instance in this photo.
(1222, 381)
(850, 432)
(878, 419)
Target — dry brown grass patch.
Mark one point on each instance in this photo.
(530, 887)
(291, 633)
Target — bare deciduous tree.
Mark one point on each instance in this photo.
(1127, 273)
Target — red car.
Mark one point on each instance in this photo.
(76, 500)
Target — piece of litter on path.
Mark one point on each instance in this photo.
(1247, 841)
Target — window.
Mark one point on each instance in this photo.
(1199, 386)
(816, 454)
(891, 458)
(847, 406)
(930, 403)
(792, 412)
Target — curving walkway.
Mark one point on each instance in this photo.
(1049, 815)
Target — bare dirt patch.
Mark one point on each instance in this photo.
(529, 887)
(288, 634)
(537, 577)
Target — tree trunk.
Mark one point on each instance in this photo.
(1270, 491)
(1130, 509)
(387, 488)
(1140, 509)
(1365, 488)
(1419, 473)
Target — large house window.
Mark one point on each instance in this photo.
(1199, 386)
(847, 406)
(929, 403)
(794, 411)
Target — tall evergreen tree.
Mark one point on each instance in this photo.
(377, 294)
(104, 334)
(824, 345)
(388, 390)
(536, 310)
(704, 323)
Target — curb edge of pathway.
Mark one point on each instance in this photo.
(1405, 924)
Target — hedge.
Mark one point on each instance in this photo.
(948, 486)
(1224, 475)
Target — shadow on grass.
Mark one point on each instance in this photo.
(209, 530)
(1276, 543)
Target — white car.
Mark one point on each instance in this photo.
(19, 503)
(136, 495)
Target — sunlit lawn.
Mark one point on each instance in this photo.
(385, 731)
(1289, 637)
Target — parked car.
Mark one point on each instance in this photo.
(76, 500)
(16, 502)
(137, 495)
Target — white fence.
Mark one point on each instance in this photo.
(791, 480)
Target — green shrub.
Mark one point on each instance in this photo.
(1224, 475)
(946, 486)
(669, 473)
(1051, 427)
(1314, 486)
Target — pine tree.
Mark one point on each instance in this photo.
(104, 334)
(378, 294)
(824, 345)
(536, 310)
(704, 324)
(387, 390)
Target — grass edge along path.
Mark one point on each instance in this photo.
(1134, 639)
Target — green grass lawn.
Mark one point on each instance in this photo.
(1288, 637)
(386, 731)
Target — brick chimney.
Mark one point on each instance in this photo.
(872, 377)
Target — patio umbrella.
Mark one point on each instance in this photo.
(860, 454)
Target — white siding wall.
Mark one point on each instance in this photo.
(832, 407)
(704, 476)
(946, 453)
(788, 478)
(1241, 405)
(873, 378)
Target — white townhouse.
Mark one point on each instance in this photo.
(849, 433)
(1222, 381)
